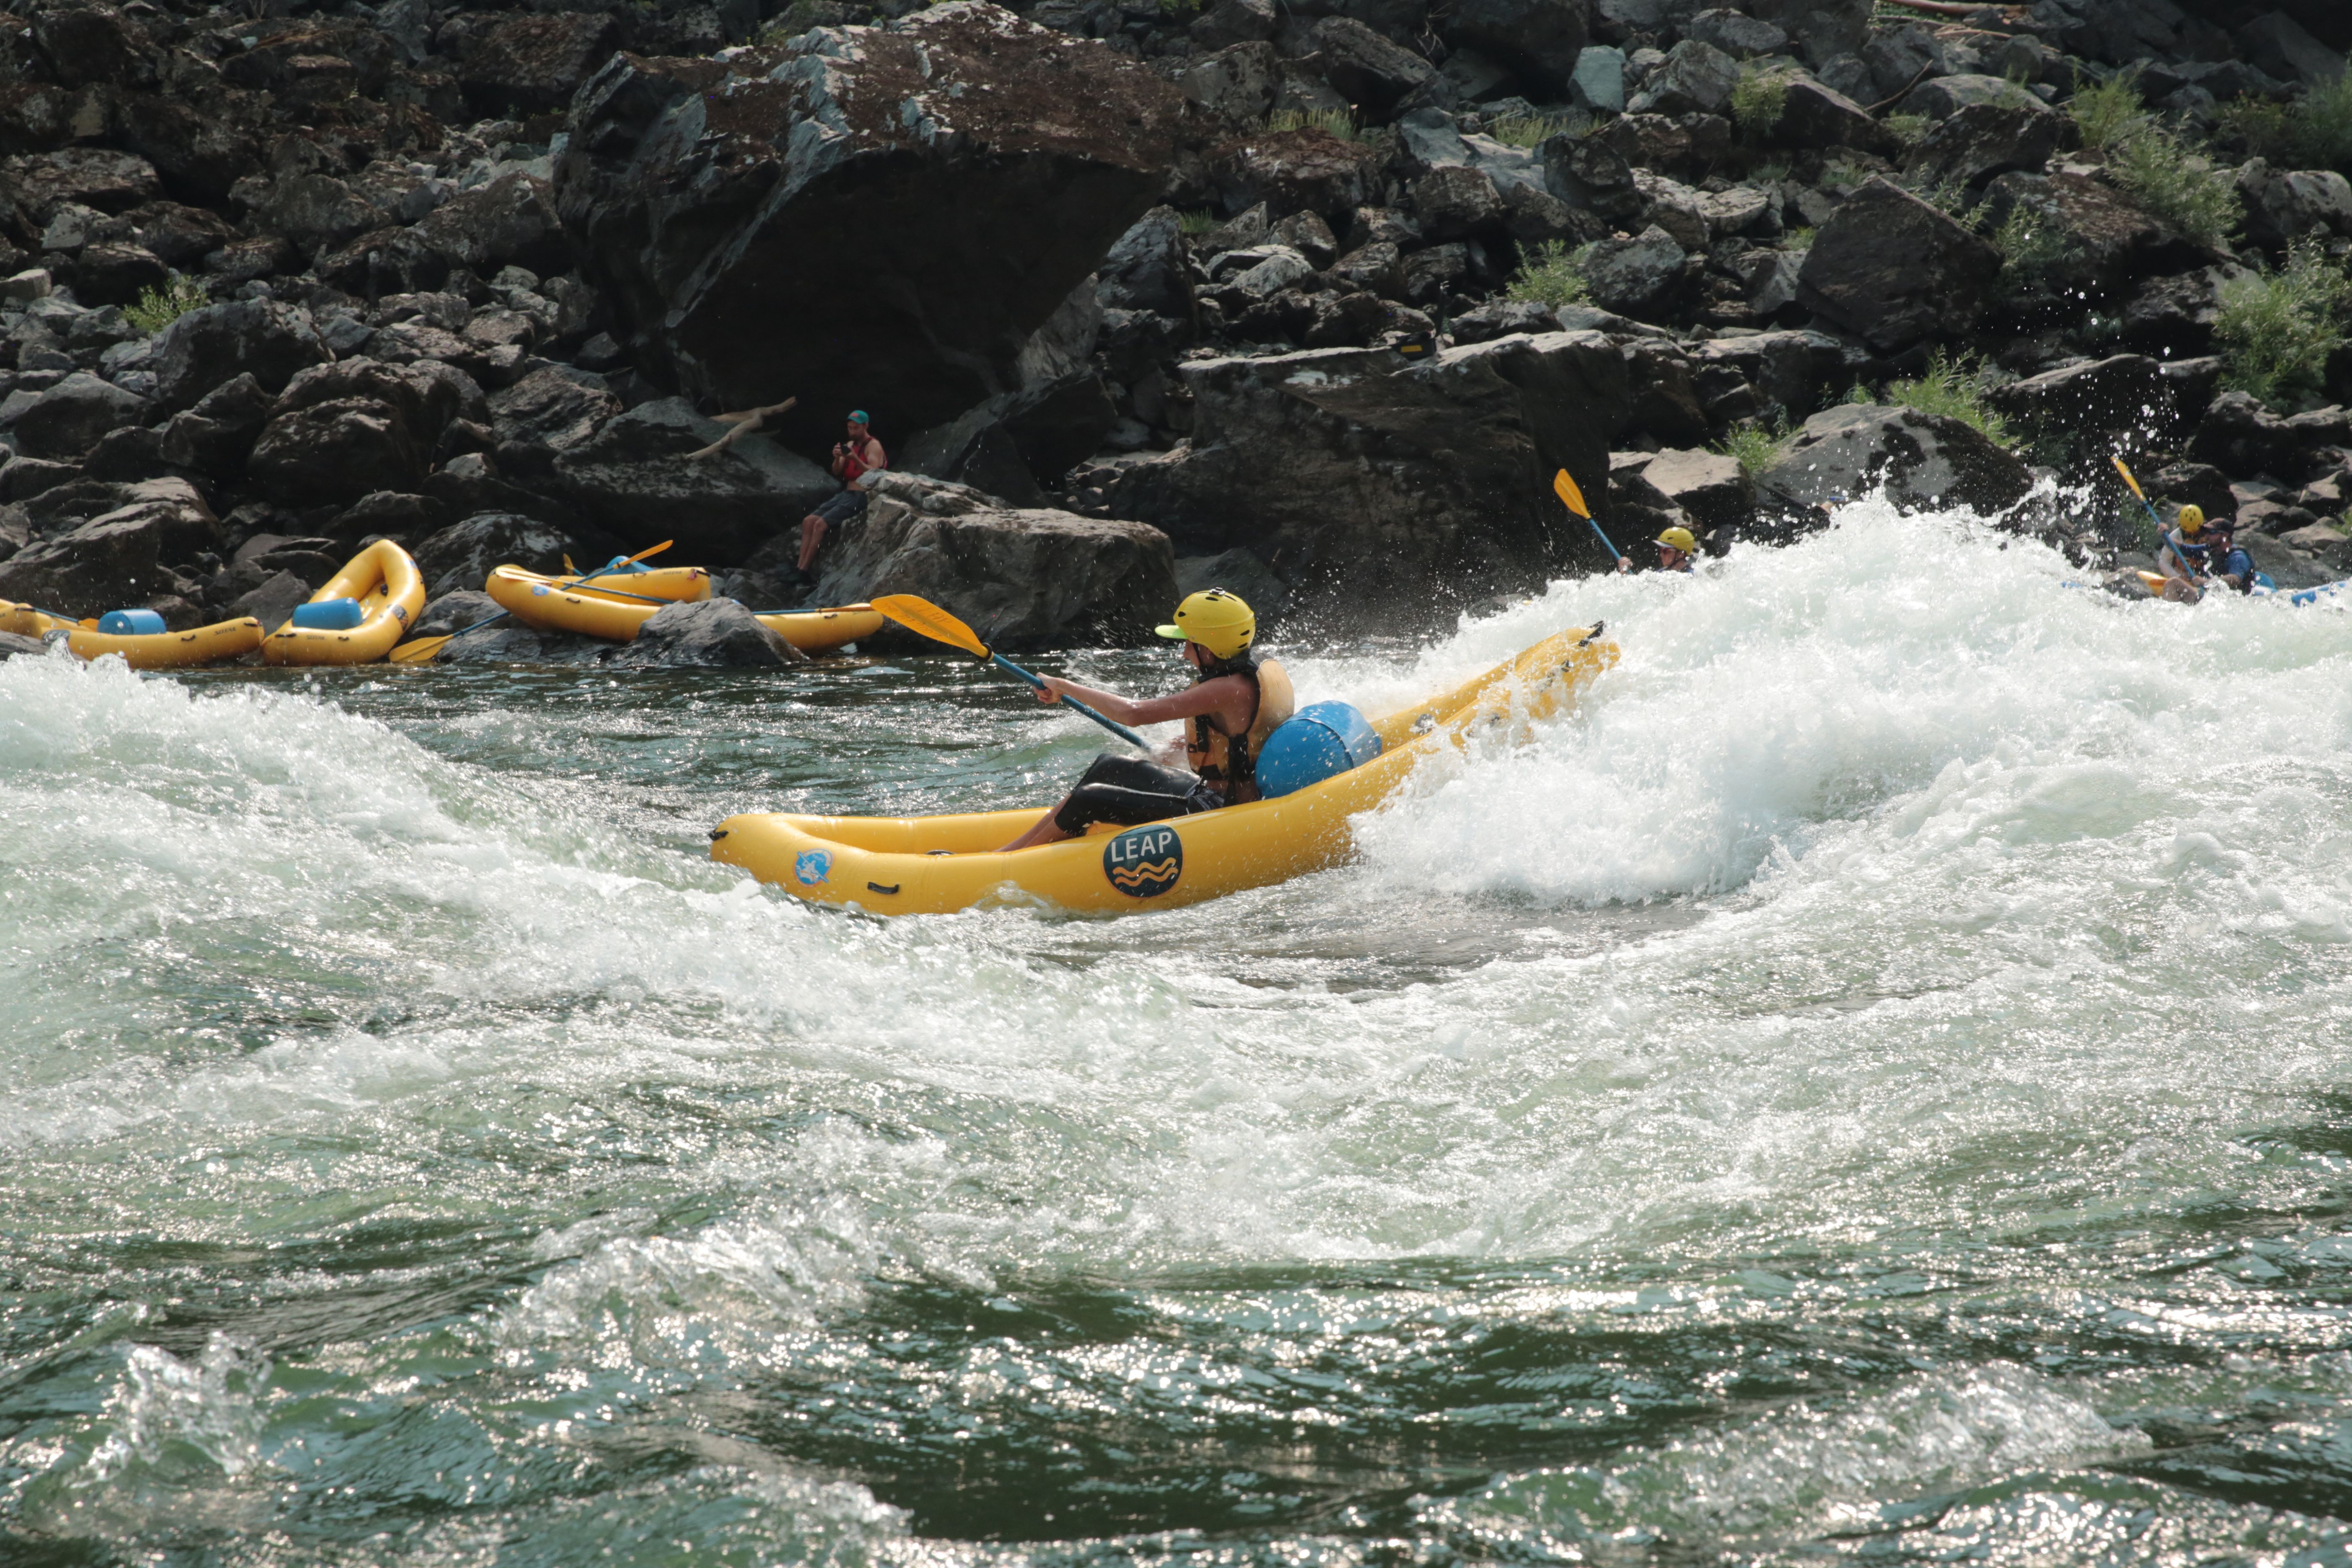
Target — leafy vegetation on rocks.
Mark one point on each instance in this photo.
(2031, 246)
(159, 308)
(2107, 112)
(1196, 220)
(1338, 122)
(1528, 129)
(1550, 277)
(1909, 130)
(2276, 330)
(1954, 386)
(1755, 448)
(2314, 131)
(2170, 181)
(1757, 99)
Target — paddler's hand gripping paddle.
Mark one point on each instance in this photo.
(416, 650)
(1573, 498)
(923, 617)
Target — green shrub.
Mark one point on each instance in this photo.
(1196, 220)
(2107, 112)
(1909, 130)
(2182, 187)
(1338, 122)
(1552, 277)
(2277, 328)
(1178, 10)
(1770, 172)
(1757, 99)
(2314, 131)
(1837, 175)
(1528, 129)
(1754, 447)
(2031, 244)
(159, 308)
(1797, 238)
(1952, 386)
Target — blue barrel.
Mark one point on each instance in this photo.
(329, 615)
(1319, 741)
(131, 624)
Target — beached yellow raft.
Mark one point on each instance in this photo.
(389, 593)
(557, 604)
(142, 651)
(896, 865)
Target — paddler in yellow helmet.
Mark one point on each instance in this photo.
(2183, 555)
(1238, 698)
(1677, 550)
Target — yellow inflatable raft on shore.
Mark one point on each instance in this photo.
(936, 864)
(557, 604)
(142, 651)
(390, 593)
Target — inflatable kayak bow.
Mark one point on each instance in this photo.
(936, 864)
(357, 617)
(554, 604)
(142, 651)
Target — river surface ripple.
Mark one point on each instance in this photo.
(1874, 1083)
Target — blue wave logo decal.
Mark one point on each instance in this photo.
(1144, 862)
(812, 866)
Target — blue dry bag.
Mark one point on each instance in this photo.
(130, 623)
(328, 615)
(1319, 741)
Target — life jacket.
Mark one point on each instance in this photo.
(854, 465)
(1228, 762)
(2190, 554)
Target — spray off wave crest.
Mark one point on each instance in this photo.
(1785, 700)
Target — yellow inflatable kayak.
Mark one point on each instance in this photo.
(389, 593)
(557, 604)
(149, 650)
(936, 864)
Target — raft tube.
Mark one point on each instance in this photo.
(555, 604)
(937, 864)
(391, 593)
(155, 650)
(674, 585)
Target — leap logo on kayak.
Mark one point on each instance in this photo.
(1144, 862)
(812, 866)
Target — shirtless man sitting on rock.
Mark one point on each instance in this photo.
(853, 460)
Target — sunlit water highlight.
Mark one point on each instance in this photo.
(1875, 1082)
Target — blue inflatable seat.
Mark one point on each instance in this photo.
(131, 624)
(328, 615)
(1322, 741)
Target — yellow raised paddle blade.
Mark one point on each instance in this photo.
(922, 615)
(2126, 473)
(1570, 496)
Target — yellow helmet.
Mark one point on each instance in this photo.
(1217, 620)
(2192, 519)
(1680, 539)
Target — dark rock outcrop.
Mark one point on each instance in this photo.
(862, 217)
(1895, 270)
(712, 634)
(1922, 460)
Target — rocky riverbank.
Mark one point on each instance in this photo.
(1313, 300)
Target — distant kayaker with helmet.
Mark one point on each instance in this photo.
(1238, 697)
(2230, 565)
(852, 460)
(2183, 556)
(1677, 550)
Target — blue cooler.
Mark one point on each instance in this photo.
(328, 615)
(1319, 741)
(131, 624)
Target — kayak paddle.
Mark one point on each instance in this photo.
(416, 650)
(1573, 498)
(922, 616)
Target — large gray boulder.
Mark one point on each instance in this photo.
(261, 337)
(1020, 577)
(215, 436)
(117, 559)
(2097, 397)
(458, 559)
(636, 479)
(1538, 39)
(860, 217)
(710, 633)
(1923, 461)
(1372, 484)
(67, 420)
(1896, 269)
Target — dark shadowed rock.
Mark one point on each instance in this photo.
(1986, 139)
(2286, 205)
(1712, 491)
(458, 559)
(1925, 462)
(713, 634)
(1238, 572)
(527, 64)
(272, 600)
(1020, 578)
(448, 614)
(22, 479)
(511, 221)
(1821, 29)
(213, 437)
(1145, 271)
(554, 408)
(65, 421)
(1500, 319)
(1895, 270)
(337, 450)
(1368, 69)
(2239, 436)
(1370, 484)
(1291, 170)
(1815, 114)
(2097, 241)
(635, 479)
(1540, 40)
(114, 559)
(962, 174)
(269, 339)
(2121, 393)
(1643, 277)
(117, 274)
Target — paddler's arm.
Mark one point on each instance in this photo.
(1227, 696)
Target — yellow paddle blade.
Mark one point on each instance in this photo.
(657, 550)
(569, 569)
(416, 650)
(2126, 473)
(922, 615)
(1570, 496)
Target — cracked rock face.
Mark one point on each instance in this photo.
(860, 217)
